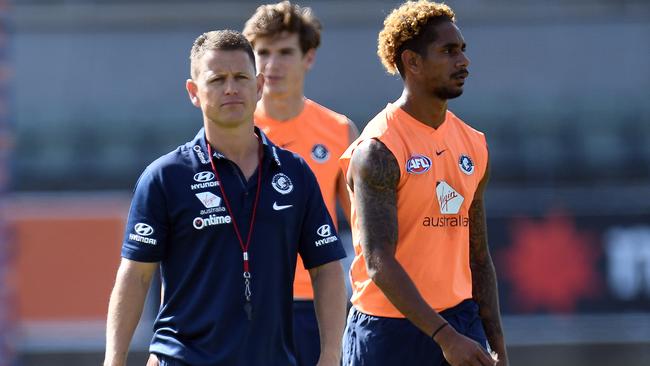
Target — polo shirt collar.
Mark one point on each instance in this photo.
(200, 148)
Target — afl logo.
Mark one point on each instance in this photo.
(320, 153)
(282, 183)
(143, 229)
(203, 177)
(466, 164)
(418, 164)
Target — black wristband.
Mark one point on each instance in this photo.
(439, 329)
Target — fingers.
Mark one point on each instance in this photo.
(484, 358)
(153, 360)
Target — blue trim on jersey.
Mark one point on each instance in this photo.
(178, 218)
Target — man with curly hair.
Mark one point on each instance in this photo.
(424, 285)
(285, 37)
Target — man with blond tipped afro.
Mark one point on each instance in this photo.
(424, 285)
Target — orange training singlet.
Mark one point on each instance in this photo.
(440, 170)
(320, 136)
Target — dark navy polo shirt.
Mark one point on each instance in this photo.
(178, 218)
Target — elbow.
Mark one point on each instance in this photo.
(376, 268)
(373, 272)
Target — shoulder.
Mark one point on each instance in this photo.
(326, 113)
(373, 160)
(377, 126)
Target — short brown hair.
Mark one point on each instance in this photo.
(273, 19)
(410, 27)
(226, 40)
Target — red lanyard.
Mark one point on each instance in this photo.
(244, 247)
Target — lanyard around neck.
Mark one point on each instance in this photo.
(244, 246)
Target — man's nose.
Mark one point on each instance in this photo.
(231, 86)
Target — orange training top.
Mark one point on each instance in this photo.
(440, 170)
(320, 136)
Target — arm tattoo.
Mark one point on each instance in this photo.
(375, 177)
(484, 282)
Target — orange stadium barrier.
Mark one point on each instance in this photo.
(67, 253)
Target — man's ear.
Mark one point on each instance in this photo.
(260, 85)
(192, 92)
(309, 58)
(411, 61)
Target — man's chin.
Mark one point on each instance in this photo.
(449, 93)
(274, 92)
(231, 121)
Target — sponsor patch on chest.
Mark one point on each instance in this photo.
(448, 199)
(418, 164)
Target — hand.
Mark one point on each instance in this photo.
(153, 360)
(459, 350)
(502, 363)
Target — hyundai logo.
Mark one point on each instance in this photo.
(324, 231)
(143, 229)
(203, 176)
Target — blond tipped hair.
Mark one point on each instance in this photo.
(404, 24)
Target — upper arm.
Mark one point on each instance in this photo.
(333, 269)
(373, 176)
(147, 225)
(318, 241)
(477, 223)
(137, 272)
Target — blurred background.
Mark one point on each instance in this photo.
(92, 91)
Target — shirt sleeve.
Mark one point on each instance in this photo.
(148, 224)
(319, 243)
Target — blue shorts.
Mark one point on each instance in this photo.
(372, 340)
(305, 333)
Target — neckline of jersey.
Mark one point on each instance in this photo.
(395, 112)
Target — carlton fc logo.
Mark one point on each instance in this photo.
(418, 164)
(320, 153)
(466, 164)
(282, 183)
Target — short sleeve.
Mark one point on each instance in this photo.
(148, 224)
(319, 243)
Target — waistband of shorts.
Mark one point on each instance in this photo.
(303, 304)
(465, 305)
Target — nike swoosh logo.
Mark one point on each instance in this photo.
(440, 152)
(280, 207)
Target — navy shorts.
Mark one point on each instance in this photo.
(377, 341)
(305, 333)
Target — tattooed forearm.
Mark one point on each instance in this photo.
(484, 282)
